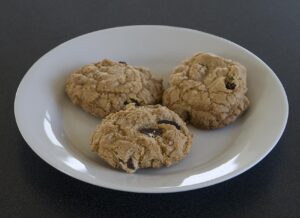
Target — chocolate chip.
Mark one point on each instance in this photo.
(130, 164)
(169, 122)
(152, 132)
(230, 85)
(131, 100)
(122, 62)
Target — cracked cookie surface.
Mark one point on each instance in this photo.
(142, 137)
(107, 86)
(208, 91)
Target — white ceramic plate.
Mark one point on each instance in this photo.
(59, 132)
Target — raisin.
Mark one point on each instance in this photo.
(169, 122)
(122, 62)
(152, 132)
(130, 164)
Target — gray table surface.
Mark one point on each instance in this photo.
(31, 188)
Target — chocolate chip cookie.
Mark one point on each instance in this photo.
(208, 91)
(107, 86)
(142, 137)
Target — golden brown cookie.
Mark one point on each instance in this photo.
(142, 137)
(208, 91)
(107, 86)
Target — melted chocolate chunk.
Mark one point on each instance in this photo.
(169, 122)
(130, 164)
(122, 62)
(152, 132)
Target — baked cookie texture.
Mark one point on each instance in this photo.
(208, 91)
(142, 137)
(107, 86)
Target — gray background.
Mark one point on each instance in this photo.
(31, 188)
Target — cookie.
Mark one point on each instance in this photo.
(208, 91)
(142, 137)
(107, 86)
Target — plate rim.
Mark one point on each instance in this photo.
(172, 189)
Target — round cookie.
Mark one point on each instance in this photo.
(107, 86)
(208, 91)
(142, 137)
